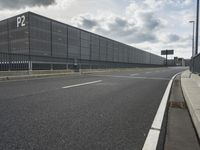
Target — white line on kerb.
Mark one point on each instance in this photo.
(153, 135)
(81, 84)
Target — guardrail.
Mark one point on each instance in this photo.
(14, 62)
(195, 64)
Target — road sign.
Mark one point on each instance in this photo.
(167, 52)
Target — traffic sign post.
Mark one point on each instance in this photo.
(167, 52)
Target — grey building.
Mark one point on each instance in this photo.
(31, 41)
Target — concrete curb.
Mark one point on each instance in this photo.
(191, 92)
(39, 74)
(152, 138)
(4, 78)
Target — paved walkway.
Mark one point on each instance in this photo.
(191, 90)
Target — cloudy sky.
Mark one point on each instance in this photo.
(151, 25)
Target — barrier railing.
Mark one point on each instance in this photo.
(195, 64)
(14, 62)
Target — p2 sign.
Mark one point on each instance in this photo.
(21, 21)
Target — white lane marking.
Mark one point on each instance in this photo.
(135, 74)
(148, 72)
(151, 140)
(81, 84)
(157, 123)
(153, 137)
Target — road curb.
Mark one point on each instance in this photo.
(152, 138)
(83, 71)
(21, 77)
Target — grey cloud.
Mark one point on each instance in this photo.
(173, 38)
(121, 29)
(149, 21)
(88, 23)
(153, 24)
(17, 4)
(139, 37)
(121, 22)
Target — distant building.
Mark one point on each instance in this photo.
(178, 62)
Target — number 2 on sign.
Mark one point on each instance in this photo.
(21, 21)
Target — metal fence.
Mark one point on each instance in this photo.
(13, 62)
(195, 64)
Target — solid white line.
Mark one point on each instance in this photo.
(153, 135)
(81, 84)
(157, 123)
(151, 140)
(134, 74)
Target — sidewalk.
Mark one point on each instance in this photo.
(191, 89)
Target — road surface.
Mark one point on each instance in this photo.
(104, 111)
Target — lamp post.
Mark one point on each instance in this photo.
(193, 52)
(197, 28)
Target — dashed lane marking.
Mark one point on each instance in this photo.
(81, 84)
(134, 74)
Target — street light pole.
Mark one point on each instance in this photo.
(193, 52)
(197, 28)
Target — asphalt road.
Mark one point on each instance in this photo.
(104, 111)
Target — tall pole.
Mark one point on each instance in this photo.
(193, 41)
(193, 51)
(166, 57)
(197, 28)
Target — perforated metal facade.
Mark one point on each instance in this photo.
(36, 35)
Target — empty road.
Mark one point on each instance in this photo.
(104, 111)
